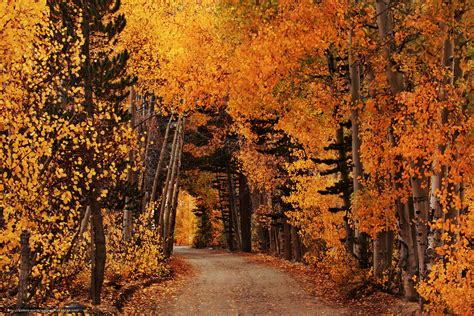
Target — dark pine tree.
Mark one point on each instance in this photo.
(340, 167)
(104, 81)
(203, 236)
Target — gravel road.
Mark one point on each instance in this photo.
(228, 284)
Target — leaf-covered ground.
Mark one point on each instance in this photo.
(139, 295)
(202, 283)
(368, 300)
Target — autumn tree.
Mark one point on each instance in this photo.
(345, 125)
(103, 85)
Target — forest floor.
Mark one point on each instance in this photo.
(215, 282)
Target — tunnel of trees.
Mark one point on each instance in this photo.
(335, 133)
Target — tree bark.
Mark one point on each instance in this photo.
(98, 252)
(287, 239)
(144, 203)
(451, 62)
(383, 249)
(276, 231)
(273, 247)
(421, 208)
(258, 199)
(132, 178)
(360, 245)
(85, 221)
(230, 232)
(171, 187)
(346, 196)
(408, 257)
(25, 270)
(174, 202)
(97, 230)
(164, 196)
(148, 117)
(295, 238)
(226, 217)
(172, 225)
(263, 238)
(156, 179)
(384, 24)
(233, 206)
(245, 214)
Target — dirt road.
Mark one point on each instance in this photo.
(228, 284)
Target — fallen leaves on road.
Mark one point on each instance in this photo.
(148, 299)
(320, 285)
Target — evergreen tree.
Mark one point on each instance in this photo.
(203, 237)
(340, 167)
(105, 85)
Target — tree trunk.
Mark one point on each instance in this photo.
(132, 178)
(85, 221)
(384, 24)
(287, 239)
(453, 188)
(277, 233)
(98, 252)
(258, 199)
(434, 235)
(263, 238)
(377, 258)
(164, 196)
(230, 232)
(172, 225)
(409, 263)
(408, 254)
(408, 257)
(127, 220)
(148, 117)
(388, 254)
(97, 230)
(346, 196)
(437, 179)
(273, 247)
(226, 218)
(295, 238)
(144, 203)
(174, 201)
(383, 246)
(448, 61)
(421, 208)
(360, 245)
(170, 189)
(156, 179)
(25, 270)
(245, 214)
(233, 206)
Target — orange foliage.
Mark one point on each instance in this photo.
(186, 224)
(288, 62)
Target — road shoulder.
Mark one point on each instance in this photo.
(319, 285)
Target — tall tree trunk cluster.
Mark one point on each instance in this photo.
(157, 183)
(169, 199)
(284, 239)
(237, 203)
(417, 238)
